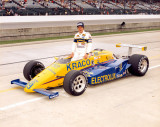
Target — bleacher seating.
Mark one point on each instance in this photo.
(32, 4)
(53, 5)
(75, 7)
(10, 5)
(83, 4)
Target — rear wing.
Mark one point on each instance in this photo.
(143, 48)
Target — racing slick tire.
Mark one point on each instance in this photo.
(75, 83)
(139, 64)
(32, 68)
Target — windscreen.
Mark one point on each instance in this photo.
(63, 61)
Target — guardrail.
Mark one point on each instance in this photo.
(29, 27)
(24, 19)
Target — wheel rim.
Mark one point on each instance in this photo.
(36, 70)
(143, 65)
(79, 83)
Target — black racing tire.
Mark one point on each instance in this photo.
(32, 68)
(75, 83)
(139, 65)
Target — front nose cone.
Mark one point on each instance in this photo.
(29, 87)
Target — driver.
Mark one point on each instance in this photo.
(82, 44)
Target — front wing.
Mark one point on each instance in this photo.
(45, 92)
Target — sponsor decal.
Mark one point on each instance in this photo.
(124, 72)
(96, 53)
(104, 78)
(80, 40)
(119, 75)
(78, 64)
(91, 73)
(83, 34)
(80, 45)
(120, 67)
(92, 62)
(31, 83)
(95, 58)
(83, 43)
(53, 96)
(86, 73)
(77, 35)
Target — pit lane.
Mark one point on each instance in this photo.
(132, 101)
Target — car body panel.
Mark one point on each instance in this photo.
(53, 75)
(107, 71)
(100, 67)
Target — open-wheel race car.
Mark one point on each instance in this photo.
(100, 67)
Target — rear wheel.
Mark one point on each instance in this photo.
(75, 83)
(32, 68)
(139, 64)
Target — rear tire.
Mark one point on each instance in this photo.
(32, 68)
(139, 64)
(75, 83)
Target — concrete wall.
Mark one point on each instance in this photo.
(20, 29)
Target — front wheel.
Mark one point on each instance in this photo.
(32, 68)
(75, 83)
(139, 64)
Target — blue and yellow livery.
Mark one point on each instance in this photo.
(101, 66)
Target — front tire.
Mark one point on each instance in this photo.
(75, 83)
(139, 64)
(32, 68)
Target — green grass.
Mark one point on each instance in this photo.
(71, 36)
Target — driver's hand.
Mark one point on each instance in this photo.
(72, 55)
(85, 56)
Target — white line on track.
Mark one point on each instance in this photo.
(154, 67)
(39, 98)
(28, 101)
(21, 103)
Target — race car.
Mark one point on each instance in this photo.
(101, 66)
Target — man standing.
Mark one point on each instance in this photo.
(82, 44)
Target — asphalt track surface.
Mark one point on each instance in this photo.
(127, 102)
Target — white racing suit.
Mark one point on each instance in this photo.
(82, 44)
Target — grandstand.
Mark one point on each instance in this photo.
(78, 7)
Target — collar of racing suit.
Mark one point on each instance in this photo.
(81, 33)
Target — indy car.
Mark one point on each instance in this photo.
(101, 66)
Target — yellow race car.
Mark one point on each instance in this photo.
(101, 66)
